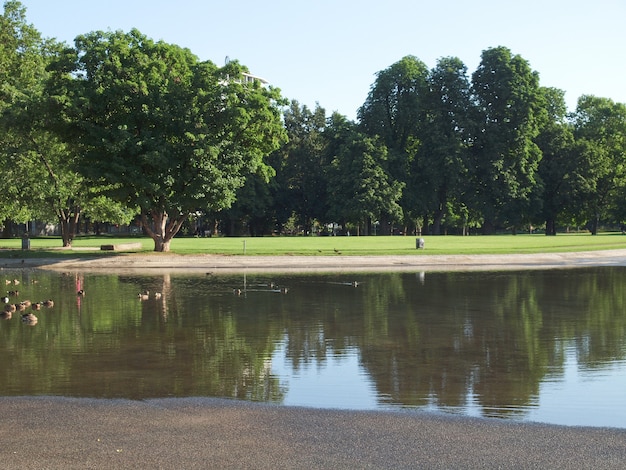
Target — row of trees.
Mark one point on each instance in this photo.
(120, 128)
(438, 152)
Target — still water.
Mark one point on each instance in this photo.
(547, 346)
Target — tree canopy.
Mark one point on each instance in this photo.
(119, 127)
(505, 155)
(170, 133)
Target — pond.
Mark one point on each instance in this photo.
(547, 346)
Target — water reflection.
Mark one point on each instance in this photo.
(537, 345)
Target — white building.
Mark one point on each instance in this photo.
(249, 78)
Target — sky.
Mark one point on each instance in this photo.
(328, 52)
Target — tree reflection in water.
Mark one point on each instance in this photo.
(458, 341)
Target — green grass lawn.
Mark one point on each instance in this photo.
(330, 246)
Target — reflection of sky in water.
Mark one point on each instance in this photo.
(339, 382)
(572, 398)
(578, 396)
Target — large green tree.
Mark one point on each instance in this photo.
(559, 163)
(302, 165)
(393, 106)
(393, 111)
(170, 133)
(21, 67)
(43, 167)
(253, 211)
(505, 157)
(360, 188)
(438, 172)
(600, 132)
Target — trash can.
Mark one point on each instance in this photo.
(25, 242)
(419, 243)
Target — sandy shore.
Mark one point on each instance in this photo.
(64, 433)
(130, 262)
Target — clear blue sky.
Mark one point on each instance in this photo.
(329, 51)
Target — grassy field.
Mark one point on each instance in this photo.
(330, 246)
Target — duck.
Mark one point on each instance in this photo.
(36, 306)
(237, 291)
(6, 315)
(48, 303)
(27, 303)
(143, 295)
(20, 307)
(29, 318)
(81, 293)
(10, 308)
(158, 295)
(5, 299)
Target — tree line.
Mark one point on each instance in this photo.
(438, 151)
(120, 128)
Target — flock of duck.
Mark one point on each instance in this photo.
(30, 318)
(22, 307)
(25, 308)
(271, 287)
(145, 295)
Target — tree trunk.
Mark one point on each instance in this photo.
(68, 220)
(165, 228)
(385, 225)
(488, 228)
(7, 230)
(550, 226)
(594, 225)
(440, 211)
(438, 217)
(425, 225)
(65, 234)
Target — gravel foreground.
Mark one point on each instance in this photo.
(201, 433)
(65, 433)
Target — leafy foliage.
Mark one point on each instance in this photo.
(169, 133)
(120, 125)
(600, 131)
(505, 156)
(42, 166)
(439, 170)
(301, 165)
(361, 189)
